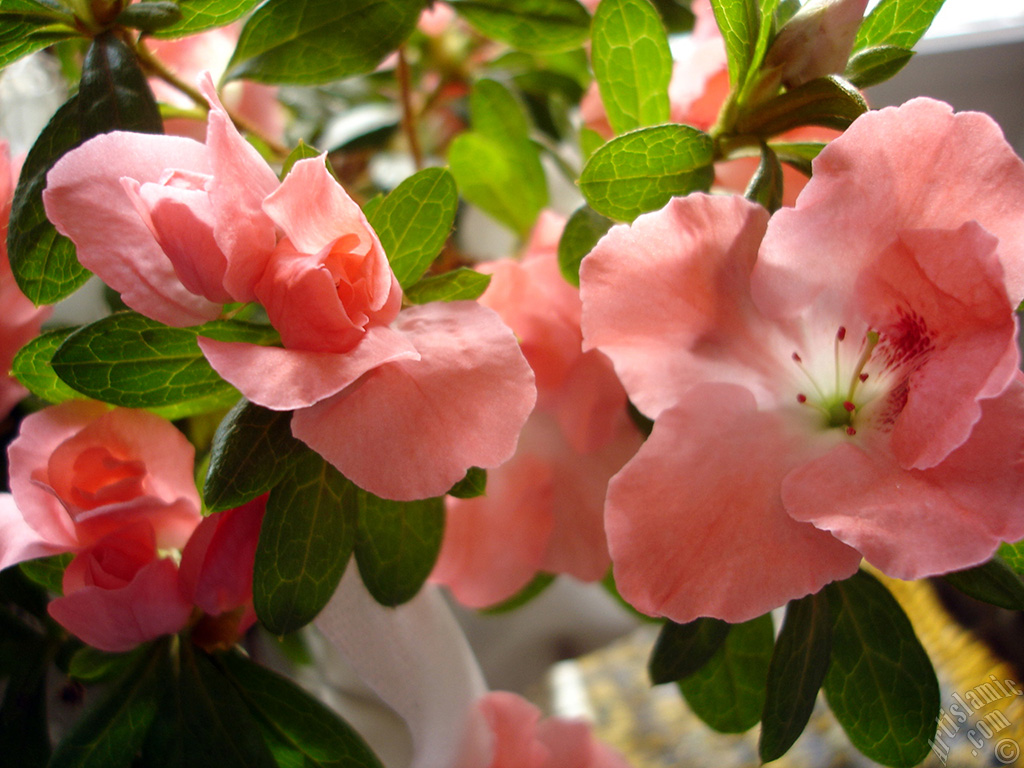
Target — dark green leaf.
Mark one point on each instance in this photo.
(676, 15)
(200, 15)
(305, 543)
(302, 151)
(582, 231)
(47, 572)
(204, 722)
(110, 733)
(114, 94)
(299, 730)
(800, 155)
(305, 42)
(641, 171)
(32, 366)
(540, 26)
(458, 285)
(993, 582)
(397, 545)
(897, 22)
(872, 66)
(252, 449)
(765, 185)
(682, 649)
(24, 739)
(151, 15)
(740, 24)
(632, 63)
(537, 584)
(472, 485)
(414, 221)
(826, 101)
(27, 26)
(880, 684)
(728, 692)
(91, 665)
(795, 675)
(43, 262)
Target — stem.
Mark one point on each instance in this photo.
(408, 118)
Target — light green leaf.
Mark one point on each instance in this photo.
(800, 155)
(641, 171)
(582, 231)
(302, 151)
(305, 543)
(26, 26)
(740, 25)
(496, 113)
(538, 26)
(765, 185)
(305, 42)
(871, 66)
(830, 102)
(473, 484)
(462, 284)
(47, 572)
(1013, 555)
(897, 22)
(632, 63)
(200, 15)
(682, 649)
(33, 367)
(880, 685)
(728, 692)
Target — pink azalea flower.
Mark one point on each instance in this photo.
(544, 508)
(838, 382)
(401, 403)
(80, 472)
(21, 320)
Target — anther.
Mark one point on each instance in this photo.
(796, 358)
(801, 398)
(849, 406)
(841, 333)
(851, 431)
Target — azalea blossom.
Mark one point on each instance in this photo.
(839, 382)
(402, 403)
(544, 508)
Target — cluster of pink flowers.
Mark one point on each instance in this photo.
(116, 489)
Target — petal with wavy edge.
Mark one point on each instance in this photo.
(18, 540)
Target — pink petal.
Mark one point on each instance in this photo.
(513, 721)
(412, 428)
(85, 200)
(18, 540)
(285, 379)
(572, 745)
(667, 299)
(696, 525)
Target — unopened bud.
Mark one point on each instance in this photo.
(817, 41)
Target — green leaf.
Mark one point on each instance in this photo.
(537, 26)
(1013, 555)
(47, 572)
(897, 22)
(582, 231)
(414, 221)
(740, 24)
(203, 721)
(26, 26)
(993, 582)
(536, 586)
(113, 93)
(496, 113)
(111, 732)
(800, 155)
(131, 361)
(299, 730)
(472, 485)
(302, 151)
(32, 366)
(200, 15)
(641, 171)
(397, 543)
(682, 649)
(728, 692)
(880, 684)
(306, 42)
(872, 66)
(797, 670)
(632, 63)
(43, 262)
(458, 285)
(92, 665)
(305, 543)
(826, 101)
(150, 15)
(252, 449)
(765, 185)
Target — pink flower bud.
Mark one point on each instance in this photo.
(816, 41)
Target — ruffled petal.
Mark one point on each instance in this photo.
(286, 379)
(18, 540)
(412, 428)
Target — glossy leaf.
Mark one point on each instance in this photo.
(414, 221)
(1013, 555)
(797, 670)
(993, 582)
(641, 171)
(765, 185)
(897, 22)
(47, 572)
(728, 692)
(871, 66)
(200, 15)
(582, 231)
(474, 484)
(304, 545)
(27, 26)
(800, 155)
(299, 730)
(538, 26)
(305, 42)
(92, 665)
(739, 23)
(682, 649)
(113, 93)
(397, 544)
(880, 684)
(252, 449)
(32, 366)
(632, 63)
(302, 151)
(460, 284)
(830, 102)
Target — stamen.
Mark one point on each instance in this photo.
(871, 337)
(851, 431)
(801, 398)
(841, 333)
(800, 364)
(849, 406)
